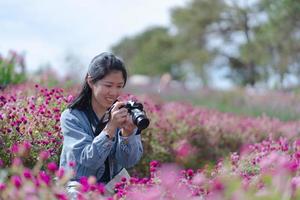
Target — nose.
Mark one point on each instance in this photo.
(114, 91)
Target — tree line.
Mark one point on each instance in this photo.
(255, 40)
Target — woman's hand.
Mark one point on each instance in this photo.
(128, 127)
(117, 119)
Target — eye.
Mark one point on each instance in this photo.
(108, 86)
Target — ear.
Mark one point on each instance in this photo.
(88, 79)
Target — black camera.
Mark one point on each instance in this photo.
(138, 114)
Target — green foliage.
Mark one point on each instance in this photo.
(257, 40)
(194, 24)
(149, 53)
(12, 70)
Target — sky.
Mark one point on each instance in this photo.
(46, 31)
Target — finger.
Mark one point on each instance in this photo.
(121, 116)
(117, 105)
(122, 112)
(129, 117)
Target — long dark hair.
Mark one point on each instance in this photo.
(100, 66)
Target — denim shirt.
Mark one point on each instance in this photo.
(89, 153)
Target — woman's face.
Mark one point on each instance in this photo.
(107, 90)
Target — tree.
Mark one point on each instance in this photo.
(148, 53)
(258, 39)
(280, 37)
(193, 28)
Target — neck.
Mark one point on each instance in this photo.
(98, 109)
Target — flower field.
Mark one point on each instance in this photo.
(190, 152)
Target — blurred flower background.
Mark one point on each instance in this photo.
(219, 80)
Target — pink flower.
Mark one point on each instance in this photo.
(190, 172)
(292, 166)
(27, 173)
(61, 196)
(295, 182)
(26, 145)
(184, 149)
(2, 186)
(217, 185)
(43, 176)
(71, 164)
(133, 180)
(15, 148)
(52, 166)
(101, 188)
(60, 173)
(154, 163)
(84, 184)
(44, 155)
(17, 162)
(152, 169)
(16, 181)
(70, 98)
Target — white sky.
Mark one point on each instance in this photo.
(45, 30)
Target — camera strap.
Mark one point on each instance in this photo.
(97, 126)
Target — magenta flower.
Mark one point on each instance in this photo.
(16, 181)
(217, 185)
(292, 166)
(43, 176)
(15, 148)
(27, 173)
(2, 186)
(52, 166)
(190, 172)
(123, 179)
(72, 164)
(61, 196)
(184, 149)
(26, 145)
(85, 186)
(133, 180)
(17, 162)
(44, 155)
(60, 173)
(154, 163)
(100, 188)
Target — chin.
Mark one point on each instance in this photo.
(108, 105)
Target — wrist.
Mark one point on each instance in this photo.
(126, 133)
(109, 131)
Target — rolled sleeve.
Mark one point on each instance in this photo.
(129, 150)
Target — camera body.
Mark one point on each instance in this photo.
(137, 113)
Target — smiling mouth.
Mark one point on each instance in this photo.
(110, 100)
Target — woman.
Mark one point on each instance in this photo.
(99, 135)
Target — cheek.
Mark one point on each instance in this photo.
(99, 92)
(119, 92)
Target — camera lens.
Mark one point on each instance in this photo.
(142, 123)
(139, 119)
